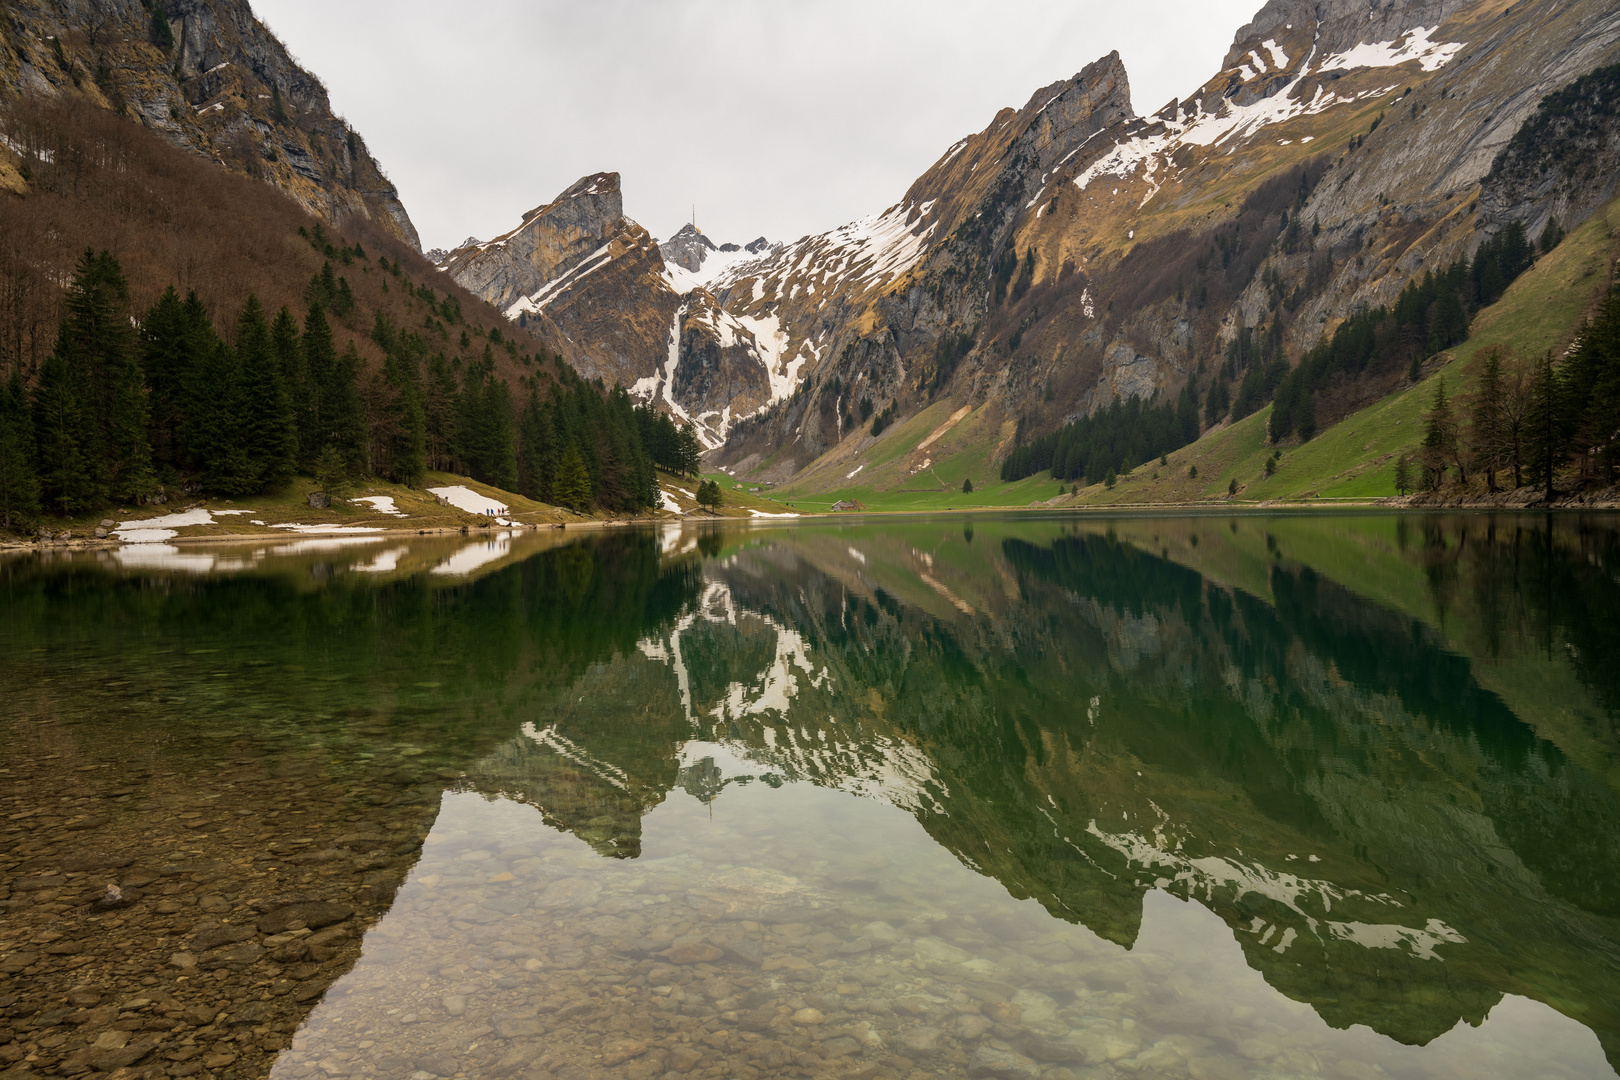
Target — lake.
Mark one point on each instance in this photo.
(989, 796)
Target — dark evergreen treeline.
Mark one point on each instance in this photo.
(130, 405)
(1118, 437)
(1429, 316)
(1539, 423)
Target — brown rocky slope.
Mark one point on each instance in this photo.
(218, 82)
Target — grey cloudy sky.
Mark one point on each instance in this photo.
(778, 118)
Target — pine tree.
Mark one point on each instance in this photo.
(159, 31)
(689, 452)
(268, 433)
(1487, 437)
(573, 486)
(343, 414)
(216, 438)
(967, 486)
(1403, 475)
(320, 362)
(439, 413)
(66, 482)
(19, 485)
(1439, 437)
(1545, 434)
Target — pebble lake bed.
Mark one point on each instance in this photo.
(1016, 798)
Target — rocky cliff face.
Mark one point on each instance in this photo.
(1073, 252)
(635, 312)
(687, 249)
(210, 78)
(552, 241)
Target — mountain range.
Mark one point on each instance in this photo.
(1070, 254)
(1073, 251)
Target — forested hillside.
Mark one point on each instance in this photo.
(168, 328)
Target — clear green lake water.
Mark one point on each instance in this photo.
(994, 796)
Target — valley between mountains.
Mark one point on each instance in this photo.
(1074, 253)
(1077, 303)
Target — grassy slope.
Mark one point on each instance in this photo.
(893, 475)
(1354, 459)
(734, 504)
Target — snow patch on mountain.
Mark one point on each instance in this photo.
(1231, 123)
(1415, 45)
(717, 265)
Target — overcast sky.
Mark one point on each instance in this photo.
(774, 117)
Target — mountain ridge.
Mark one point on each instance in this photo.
(1072, 251)
(209, 77)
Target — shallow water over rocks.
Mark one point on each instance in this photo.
(1149, 797)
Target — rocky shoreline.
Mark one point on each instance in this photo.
(180, 918)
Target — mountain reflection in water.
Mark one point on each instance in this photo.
(1172, 796)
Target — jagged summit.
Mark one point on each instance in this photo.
(1073, 251)
(553, 239)
(689, 248)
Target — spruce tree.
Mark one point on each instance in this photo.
(439, 412)
(537, 449)
(320, 360)
(500, 462)
(19, 484)
(129, 452)
(98, 345)
(690, 452)
(268, 431)
(286, 349)
(1487, 437)
(1592, 378)
(332, 474)
(1545, 436)
(1220, 401)
(175, 335)
(1439, 436)
(158, 30)
(67, 484)
(573, 486)
(405, 445)
(217, 439)
(344, 415)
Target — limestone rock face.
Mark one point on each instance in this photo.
(226, 88)
(552, 240)
(615, 305)
(1072, 252)
(718, 372)
(1563, 168)
(636, 313)
(1335, 26)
